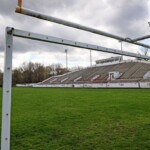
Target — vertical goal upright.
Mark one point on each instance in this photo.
(7, 88)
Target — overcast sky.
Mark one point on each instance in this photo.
(121, 17)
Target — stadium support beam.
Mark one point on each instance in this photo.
(51, 39)
(141, 38)
(7, 83)
(28, 12)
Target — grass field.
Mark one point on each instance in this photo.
(80, 119)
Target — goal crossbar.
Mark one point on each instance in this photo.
(62, 41)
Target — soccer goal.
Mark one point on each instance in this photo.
(12, 32)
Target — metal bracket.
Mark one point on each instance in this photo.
(9, 30)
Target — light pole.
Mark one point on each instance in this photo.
(121, 49)
(90, 57)
(66, 51)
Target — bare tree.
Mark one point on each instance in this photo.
(143, 51)
(35, 72)
(16, 76)
(39, 73)
(57, 69)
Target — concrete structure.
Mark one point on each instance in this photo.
(125, 74)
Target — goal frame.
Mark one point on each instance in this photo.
(7, 80)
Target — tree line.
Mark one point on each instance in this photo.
(34, 72)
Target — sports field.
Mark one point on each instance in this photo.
(80, 119)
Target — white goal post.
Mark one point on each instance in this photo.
(11, 32)
(7, 81)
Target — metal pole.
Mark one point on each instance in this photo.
(74, 25)
(141, 38)
(146, 52)
(121, 49)
(66, 51)
(7, 87)
(51, 39)
(90, 57)
(20, 3)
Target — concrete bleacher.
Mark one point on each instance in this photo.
(141, 71)
(130, 71)
(75, 75)
(48, 81)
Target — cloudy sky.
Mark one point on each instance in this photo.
(121, 17)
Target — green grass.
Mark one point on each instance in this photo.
(80, 119)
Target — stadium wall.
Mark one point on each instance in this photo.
(144, 84)
(123, 85)
(93, 85)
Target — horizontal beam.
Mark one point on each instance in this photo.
(51, 39)
(141, 38)
(75, 25)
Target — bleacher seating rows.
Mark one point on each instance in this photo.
(130, 72)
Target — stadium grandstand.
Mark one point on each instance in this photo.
(107, 73)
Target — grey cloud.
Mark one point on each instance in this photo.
(7, 7)
(23, 46)
(28, 23)
(118, 17)
(127, 16)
